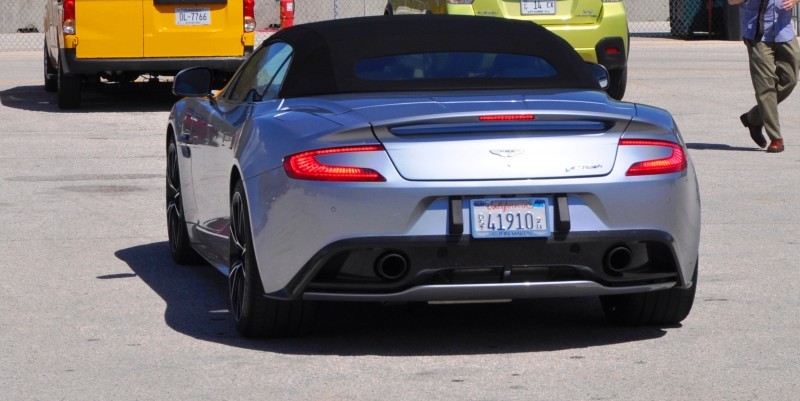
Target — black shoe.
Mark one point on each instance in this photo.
(755, 132)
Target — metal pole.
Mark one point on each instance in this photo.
(335, 9)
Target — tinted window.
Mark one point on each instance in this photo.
(453, 65)
(262, 75)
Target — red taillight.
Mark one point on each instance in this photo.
(612, 50)
(507, 117)
(675, 163)
(249, 15)
(69, 9)
(305, 166)
(68, 17)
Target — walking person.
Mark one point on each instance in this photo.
(774, 60)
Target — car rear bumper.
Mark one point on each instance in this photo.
(162, 66)
(458, 268)
(587, 39)
(658, 219)
(490, 292)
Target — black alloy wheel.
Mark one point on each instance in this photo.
(239, 254)
(255, 315)
(179, 245)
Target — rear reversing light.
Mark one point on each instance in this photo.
(68, 17)
(674, 163)
(249, 15)
(507, 117)
(306, 166)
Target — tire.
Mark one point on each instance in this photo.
(618, 81)
(665, 307)
(255, 315)
(50, 73)
(69, 89)
(179, 245)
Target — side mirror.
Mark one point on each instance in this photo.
(193, 82)
(600, 73)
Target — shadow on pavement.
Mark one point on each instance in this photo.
(197, 305)
(104, 97)
(720, 146)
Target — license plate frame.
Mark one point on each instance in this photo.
(192, 16)
(521, 217)
(537, 7)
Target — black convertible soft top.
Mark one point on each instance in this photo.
(326, 53)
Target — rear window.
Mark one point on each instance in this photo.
(453, 65)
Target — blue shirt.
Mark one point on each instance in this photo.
(777, 22)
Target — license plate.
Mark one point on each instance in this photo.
(509, 217)
(193, 16)
(537, 7)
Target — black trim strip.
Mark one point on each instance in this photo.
(163, 65)
(455, 224)
(561, 208)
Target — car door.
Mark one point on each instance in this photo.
(212, 159)
(109, 29)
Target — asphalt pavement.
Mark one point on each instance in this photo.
(92, 307)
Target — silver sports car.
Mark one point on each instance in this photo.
(428, 158)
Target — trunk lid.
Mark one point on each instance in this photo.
(559, 136)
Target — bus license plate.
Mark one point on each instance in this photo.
(193, 16)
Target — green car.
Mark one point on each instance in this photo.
(597, 29)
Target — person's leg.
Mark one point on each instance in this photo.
(762, 73)
(787, 62)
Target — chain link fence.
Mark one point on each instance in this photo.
(21, 20)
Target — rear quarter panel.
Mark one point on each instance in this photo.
(52, 21)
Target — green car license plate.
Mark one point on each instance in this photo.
(537, 7)
(509, 217)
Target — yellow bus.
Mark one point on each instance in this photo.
(120, 40)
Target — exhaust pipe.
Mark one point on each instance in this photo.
(391, 266)
(618, 259)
